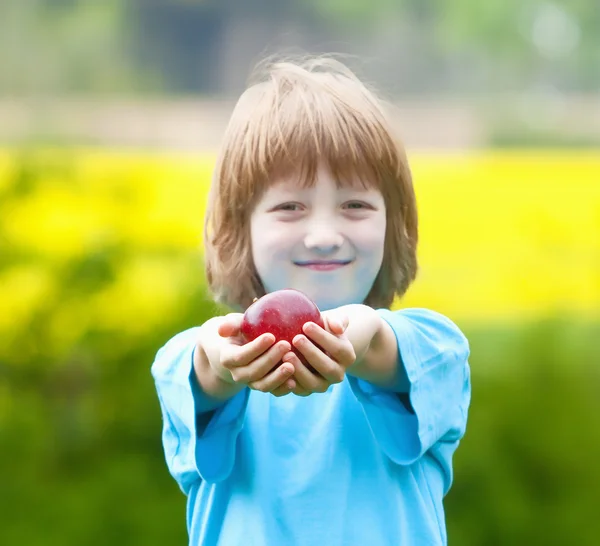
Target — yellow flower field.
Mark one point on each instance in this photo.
(503, 235)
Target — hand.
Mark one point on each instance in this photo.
(327, 350)
(254, 363)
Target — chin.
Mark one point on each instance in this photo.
(327, 295)
(327, 302)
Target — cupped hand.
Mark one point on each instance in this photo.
(327, 350)
(255, 363)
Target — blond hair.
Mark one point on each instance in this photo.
(293, 116)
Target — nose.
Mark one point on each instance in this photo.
(323, 239)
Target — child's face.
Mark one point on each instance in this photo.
(324, 241)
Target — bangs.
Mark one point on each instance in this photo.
(297, 120)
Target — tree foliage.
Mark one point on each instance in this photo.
(159, 46)
(99, 267)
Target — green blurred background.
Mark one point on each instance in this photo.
(110, 115)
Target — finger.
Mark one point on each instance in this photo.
(336, 324)
(339, 349)
(231, 324)
(261, 366)
(323, 364)
(306, 380)
(329, 341)
(299, 391)
(345, 321)
(288, 387)
(274, 379)
(234, 356)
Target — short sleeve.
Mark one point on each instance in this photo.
(199, 433)
(434, 353)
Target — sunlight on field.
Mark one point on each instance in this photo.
(502, 235)
(509, 234)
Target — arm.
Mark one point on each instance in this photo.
(432, 358)
(218, 387)
(199, 430)
(377, 356)
(355, 341)
(411, 375)
(201, 377)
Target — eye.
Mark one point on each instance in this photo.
(288, 207)
(356, 205)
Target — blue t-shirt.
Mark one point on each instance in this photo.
(356, 466)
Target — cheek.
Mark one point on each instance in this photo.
(370, 239)
(268, 242)
(258, 242)
(270, 253)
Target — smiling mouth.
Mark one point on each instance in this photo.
(323, 265)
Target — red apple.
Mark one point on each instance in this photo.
(282, 313)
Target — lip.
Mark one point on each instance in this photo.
(323, 265)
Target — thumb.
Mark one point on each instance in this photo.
(231, 325)
(337, 324)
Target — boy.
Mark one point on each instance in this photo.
(312, 191)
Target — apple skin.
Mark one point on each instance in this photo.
(282, 313)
